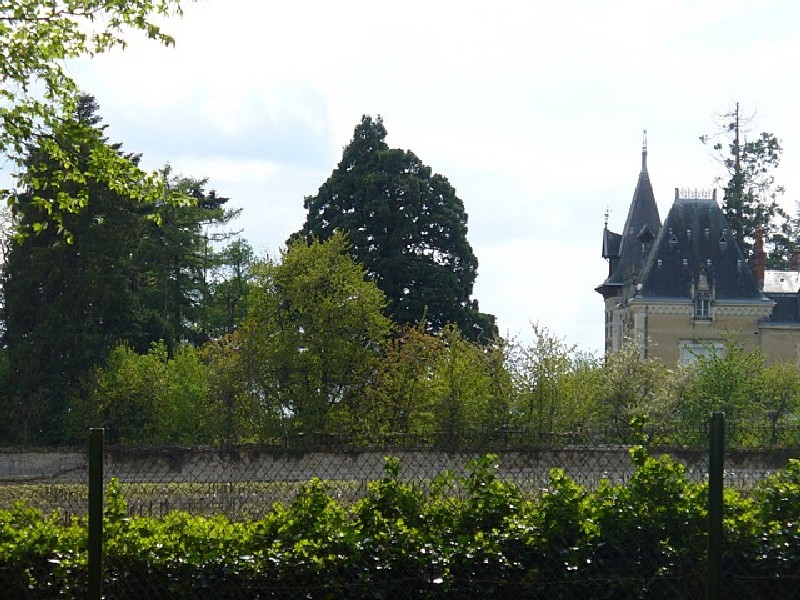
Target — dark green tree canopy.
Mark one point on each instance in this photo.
(66, 303)
(130, 273)
(408, 228)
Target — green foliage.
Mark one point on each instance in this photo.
(778, 404)
(40, 553)
(149, 398)
(751, 196)
(653, 526)
(777, 497)
(399, 399)
(634, 386)
(67, 304)
(390, 500)
(312, 334)
(225, 300)
(489, 501)
(731, 383)
(233, 407)
(121, 279)
(176, 262)
(539, 373)
(407, 227)
(465, 387)
(37, 95)
(642, 539)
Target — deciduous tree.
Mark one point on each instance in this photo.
(780, 402)
(464, 390)
(539, 371)
(229, 287)
(37, 94)
(313, 332)
(398, 399)
(731, 383)
(147, 398)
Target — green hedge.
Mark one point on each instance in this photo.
(470, 537)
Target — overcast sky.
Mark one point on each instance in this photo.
(534, 111)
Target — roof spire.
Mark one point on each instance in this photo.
(644, 151)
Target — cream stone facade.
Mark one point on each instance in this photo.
(683, 288)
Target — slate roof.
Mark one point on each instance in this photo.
(695, 239)
(627, 251)
(786, 310)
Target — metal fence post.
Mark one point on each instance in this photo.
(95, 514)
(716, 458)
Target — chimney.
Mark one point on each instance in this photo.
(794, 262)
(759, 260)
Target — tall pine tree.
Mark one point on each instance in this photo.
(176, 258)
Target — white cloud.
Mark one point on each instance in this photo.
(226, 171)
(534, 111)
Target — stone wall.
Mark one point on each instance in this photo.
(530, 468)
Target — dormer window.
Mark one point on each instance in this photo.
(646, 238)
(702, 297)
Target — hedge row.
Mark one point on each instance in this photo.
(467, 537)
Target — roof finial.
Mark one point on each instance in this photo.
(644, 151)
(606, 224)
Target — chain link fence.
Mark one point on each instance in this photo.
(326, 518)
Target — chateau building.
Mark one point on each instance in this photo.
(682, 288)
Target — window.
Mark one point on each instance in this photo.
(690, 351)
(702, 307)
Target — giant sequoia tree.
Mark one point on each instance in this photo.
(406, 226)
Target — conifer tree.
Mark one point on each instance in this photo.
(408, 228)
(750, 200)
(67, 302)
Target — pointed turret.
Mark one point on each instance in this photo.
(627, 252)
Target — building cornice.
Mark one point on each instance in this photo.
(742, 310)
(779, 326)
(685, 306)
